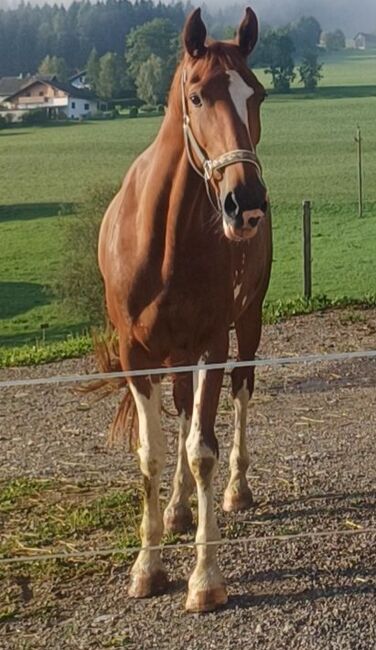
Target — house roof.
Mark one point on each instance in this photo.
(10, 85)
(369, 37)
(72, 91)
(77, 75)
(79, 93)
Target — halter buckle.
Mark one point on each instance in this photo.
(208, 169)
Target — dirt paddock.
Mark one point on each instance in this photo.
(313, 468)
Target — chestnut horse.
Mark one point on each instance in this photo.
(185, 252)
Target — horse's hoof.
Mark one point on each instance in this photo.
(178, 519)
(143, 585)
(206, 601)
(237, 501)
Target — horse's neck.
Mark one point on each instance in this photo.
(180, 199)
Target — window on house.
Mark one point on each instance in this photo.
(86, 107)
(41, 93)
(73, 104)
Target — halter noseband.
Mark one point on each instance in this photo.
(211, 166)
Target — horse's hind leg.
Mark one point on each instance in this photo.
(238, 495)
(178, 514)
(148, 575)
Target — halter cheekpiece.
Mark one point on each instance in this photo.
(210, 166)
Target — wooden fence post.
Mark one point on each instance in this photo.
(307, 250)
(358, 140)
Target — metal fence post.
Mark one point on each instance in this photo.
(307, 250)
(358, 140)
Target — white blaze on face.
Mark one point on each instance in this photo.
(240, 92)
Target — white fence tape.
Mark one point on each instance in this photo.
(228, 365)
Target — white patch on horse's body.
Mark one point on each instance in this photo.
(240, 92)
(237, 290)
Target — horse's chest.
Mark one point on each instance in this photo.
(241, 283)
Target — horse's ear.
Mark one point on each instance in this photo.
(247, 35)
(194, 35)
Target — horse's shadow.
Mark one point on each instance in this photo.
(310, 595)
(273, 587)
(341, 505)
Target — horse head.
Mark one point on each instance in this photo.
(221, 100)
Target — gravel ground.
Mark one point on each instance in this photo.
(313, 444)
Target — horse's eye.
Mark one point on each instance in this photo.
(196, 100)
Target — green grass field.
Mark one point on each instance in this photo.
(308, 152)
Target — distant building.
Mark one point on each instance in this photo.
(53, 96)
(364, 41)
(10, 85)
(79, 80)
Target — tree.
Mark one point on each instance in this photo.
(310, 70)
(158, 37)
(305, 34)
(92, 69)
(279, 48)
(149, 80)
(334, 41)
(109, 76)
(55, 66)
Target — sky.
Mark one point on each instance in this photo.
(349, 15)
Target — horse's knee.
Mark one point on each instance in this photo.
(151, 465)
(202, 462)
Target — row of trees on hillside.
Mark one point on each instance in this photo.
(132, 49)
(29, 33)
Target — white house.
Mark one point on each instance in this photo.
(365, 41)
(54, 97)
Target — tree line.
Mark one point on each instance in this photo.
(29, 33)
(131, 49)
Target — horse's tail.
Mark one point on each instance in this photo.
(125, 423)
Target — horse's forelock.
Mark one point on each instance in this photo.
(218, 54)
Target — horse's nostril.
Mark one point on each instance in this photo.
(231, 208)
(253, 221)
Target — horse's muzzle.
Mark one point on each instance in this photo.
(243, 213)
(245, 226)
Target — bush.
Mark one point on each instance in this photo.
(79, 282)
(3, 122)
(133, 111)
(35, 116)
(104, 115)
(161, 108)
(148, 108)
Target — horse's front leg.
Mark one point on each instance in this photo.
(238, 495)
(206, 587)
(148, 575)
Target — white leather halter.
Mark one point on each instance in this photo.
(210, 166)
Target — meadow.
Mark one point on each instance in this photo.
(308, 152)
